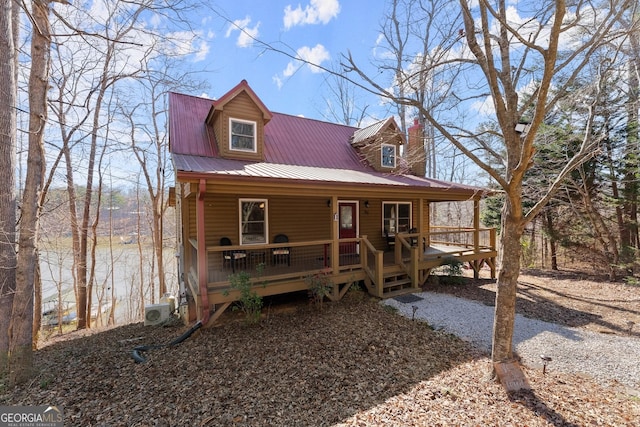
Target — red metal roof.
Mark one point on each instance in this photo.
(289, 140)
(296, 148)
(293, 140)
(188, 133)
(237, 168)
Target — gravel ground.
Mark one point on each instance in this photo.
(601, 356)
(352, 363)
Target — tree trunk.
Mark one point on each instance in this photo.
(37, 303)
(8, 134)
(509, 256)
(630, 206)
(552, 240)
(20, 328)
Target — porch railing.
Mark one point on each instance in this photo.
(462, 237)
(372, 263)
(307, 258)
(277, 261)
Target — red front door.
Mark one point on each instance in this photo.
(348, 218)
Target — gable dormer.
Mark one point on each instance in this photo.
(380, 144)
(238, 119)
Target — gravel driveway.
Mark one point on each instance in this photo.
(602, 356)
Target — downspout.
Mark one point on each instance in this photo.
(202, 253)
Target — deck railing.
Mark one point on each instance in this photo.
(464, 237)
(294, 260)
(275, 261)
(372, 263)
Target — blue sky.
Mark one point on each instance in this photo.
(318, 30)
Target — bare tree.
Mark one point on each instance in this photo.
(95, 58)
(497, 56)
(342, 105)
(148, 139)
(8, 135)
(20, 326)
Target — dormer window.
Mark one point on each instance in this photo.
(388, 156)
(242, 136)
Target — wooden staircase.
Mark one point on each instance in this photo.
(396, 282)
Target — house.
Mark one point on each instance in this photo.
(301, 197)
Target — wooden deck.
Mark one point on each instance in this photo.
(308, 258)
(384, 273)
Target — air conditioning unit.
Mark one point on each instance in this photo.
(155, 314)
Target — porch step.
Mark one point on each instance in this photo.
(395, 281)
(402, 283)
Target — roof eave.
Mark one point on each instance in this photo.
(311, 186)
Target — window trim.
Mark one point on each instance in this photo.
(255, 135)
(395, 155)
(396, 203)
(266, 220)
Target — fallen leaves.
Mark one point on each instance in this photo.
(351, 364)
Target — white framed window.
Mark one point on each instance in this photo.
(242, 135)
(388, 155)
(396, 217)
(253, 221)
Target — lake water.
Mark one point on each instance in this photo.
(121, 270)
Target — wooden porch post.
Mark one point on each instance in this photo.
(185, 244)
(335, 236)
(184, 232)
(202, 253)
(428, 224)
(421, 225)
(476, 235)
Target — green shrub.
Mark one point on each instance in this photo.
(320, 286)
(451, 272)
(250, 302)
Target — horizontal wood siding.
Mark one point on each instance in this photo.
(371, 223)
(301, 219)
(221, 219)
(191, 211)
(371, 219)
(241, 107)
(372, 151)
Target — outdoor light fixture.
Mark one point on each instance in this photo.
(545, 360)
(366, 204)
(329, 203)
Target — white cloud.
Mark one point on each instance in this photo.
(291, 69)
(247, 33)
(179, 43)
(485, 107)
(317, 11)
(312, 57)
(201, 51)
(278, 81)
(155, 20)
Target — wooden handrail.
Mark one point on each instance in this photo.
(273, 245)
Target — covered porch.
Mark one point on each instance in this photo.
(282, 232)
(386, 266)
